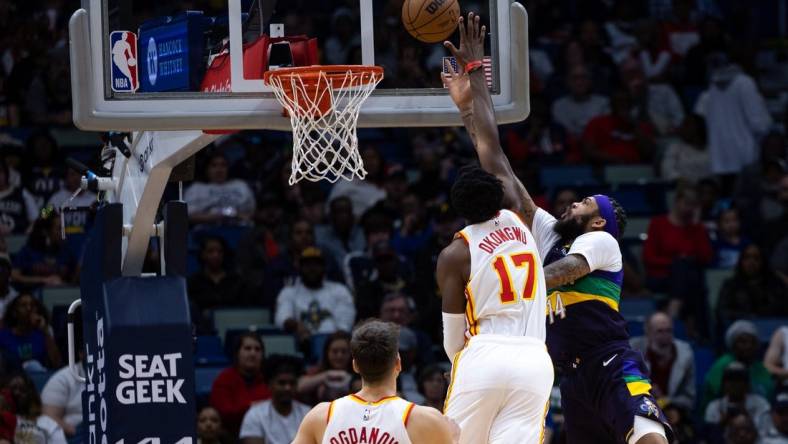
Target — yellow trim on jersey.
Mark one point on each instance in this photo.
(330, 411)
(638, 388)
(406, 414)
(544, 419)
(573, 297)
(454, 363)
(470, 312)
(362, 401)
(463, 236)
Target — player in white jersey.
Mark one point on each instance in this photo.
(492, 285)
(375, 414)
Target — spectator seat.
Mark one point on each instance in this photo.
(623, 174)
(53, 296)
(240, 318)
(567, 176)
(15, 242)
(209, 351)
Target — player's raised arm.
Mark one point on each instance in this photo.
(468, 90)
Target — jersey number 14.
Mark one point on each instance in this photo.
(519, 260)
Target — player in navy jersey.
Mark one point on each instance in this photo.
(605, 390)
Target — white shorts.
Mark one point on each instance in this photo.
(500, 389)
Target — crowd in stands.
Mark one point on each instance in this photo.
(677, 108)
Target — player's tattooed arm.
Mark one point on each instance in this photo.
(566, 270)
(470, 93)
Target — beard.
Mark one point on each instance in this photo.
(570, 228)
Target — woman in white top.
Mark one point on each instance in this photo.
(32, 426)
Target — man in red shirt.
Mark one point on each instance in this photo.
(674, 254)
(618, 137)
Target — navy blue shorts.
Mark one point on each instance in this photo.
(603, 392)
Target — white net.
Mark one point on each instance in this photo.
(323, 107)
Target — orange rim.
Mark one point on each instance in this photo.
(336, 74)
(316, 79)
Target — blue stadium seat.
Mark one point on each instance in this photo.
(39, 379)
(203, 379)
(233, 333)
(567, 176)
(209, 351)
(635, 201)
(767, 326)
(240, 318)
(704, 358)
(635, 328)
(637, 309)
(621, 174)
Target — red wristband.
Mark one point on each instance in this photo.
(473, 66)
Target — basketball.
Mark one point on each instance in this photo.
(430, 21)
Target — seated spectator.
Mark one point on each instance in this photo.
(331, 378)
(407, 380)
(656, 103)
(754, 290)
(276, 421)
(62, 394)
(341, 236)
(736, 397)
(538, 139)
(776, 359)
(433, 386)
(670, 361)
(728, 240)
(681, 422)
(617, 137)
(654, 58)
(219, 200)
(270, 275)
(754, 194)
(562, 200)
(574, 110)
(389, 274)
(741, 340)
(314, 305)
(18, 208)
(215, 284)
(62, 196)
(45, 260)
(681, 32)
(414, 229)
(399, 308)
(7, 292)
(31, 425)
(363, 194)
(26, 337)
(209, 427)
(687, 158)
(740, 430)
(42, 170)
(675, 252)
(241, 385)
(359, 266)
(773, 425)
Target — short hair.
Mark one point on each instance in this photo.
(374, 347)
(476, 194)
(276, 365)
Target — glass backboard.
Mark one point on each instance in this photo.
(178, 65)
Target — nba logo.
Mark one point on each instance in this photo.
(123, 51)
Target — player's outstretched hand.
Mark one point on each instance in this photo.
(471, 40)
(459, 86)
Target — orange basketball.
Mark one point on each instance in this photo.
(430, 21)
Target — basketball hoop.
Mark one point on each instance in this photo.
(323, 103)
